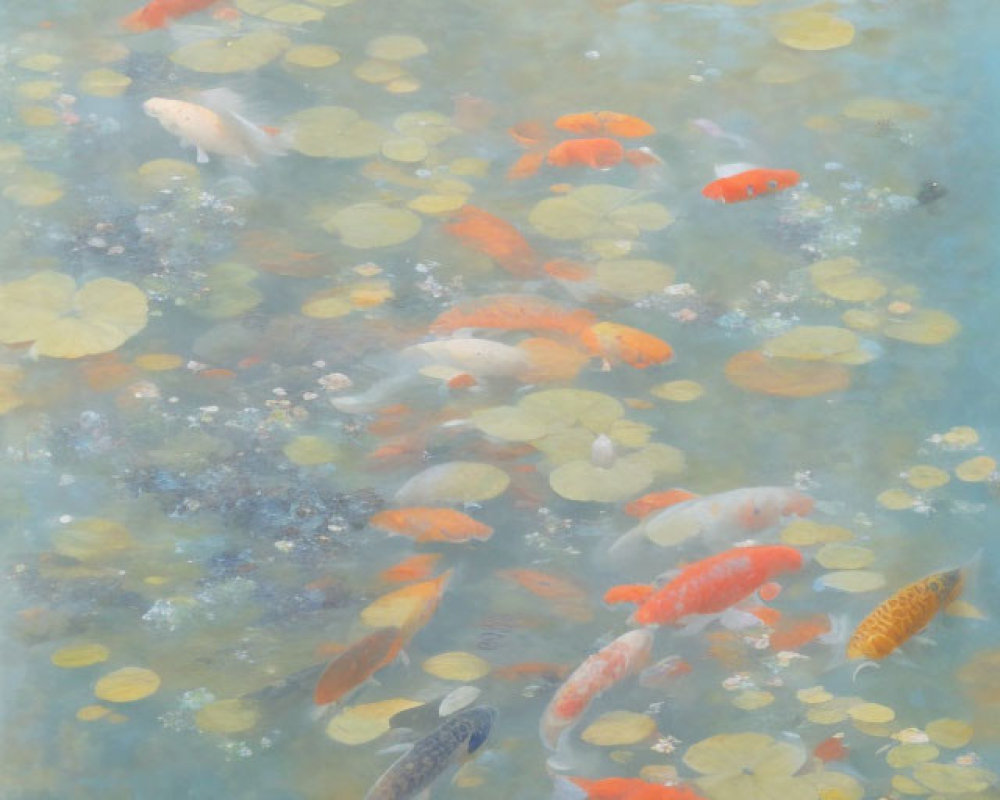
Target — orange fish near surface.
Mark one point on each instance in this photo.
(495, 237)
(357, 663)
(904, 614)
(605, 123)
(625, 656)
(431, 524)
(621, 343)
(750, 184)
(158, 13)
(513, 312)
(415, 568)
(593, 153)
(628, 789)
(710, 585)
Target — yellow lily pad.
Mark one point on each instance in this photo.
(877, 109)
(619, 728)
(431, 126)
(368, 225)
(226, 292)
(858, 319)
(871, 712)
(753, 371)
(92, 538)
(41, 62)
(682, 391)
(811, 343)
(80, 655)
(312, 56)
(844, 556)
(753, 699)
(804, 532)
(853, 288)
(167, 174)
(405, 149)
(510, 423)
(375, 70)
(927, 327)
(663, 460)
(925, 476)
(813, 695)
(952, 779)
(127, 684)
(229, 55)
(457, 666)
(808, 29)
(453, 482)
(976, 469)
(854, 581)
(906, 755)
(896, 499)
(835, 785)
(38, 90)
(585, 482)
(960, 436)
(593, 410)
(364, 723)
(434, 204)
(599, 210)
(334, 132)
(38, 116)
(470, 166)
(908, 786)
(402, 85)
(227, 716)
(92, 712)
(158, 362)
(950, 733)
(831, 712)
(310, 450)
(396, 47)
(104, 82)
(632, 279)
(749, 765)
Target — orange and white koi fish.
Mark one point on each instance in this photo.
(625, 656)
(708, 586)
(158, 13)
(717, 518)
(654, 501)
(513, 312)
(749, 184)
(569, 788)
(353, 666)
(605, 123)
(218, 127)
(904, 614)
(616, 342)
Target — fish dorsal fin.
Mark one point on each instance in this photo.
(728, 170)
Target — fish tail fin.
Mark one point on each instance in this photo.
(564, 789)
(564, 758)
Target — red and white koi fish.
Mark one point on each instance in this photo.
(709, 586)
(625, 656)
(748, 183)
(157, 13)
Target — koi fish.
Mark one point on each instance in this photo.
(832, 749)
(415, 568)
(715, 517)
(157, 13)
(616, 342)
(431, 524)
(570, 788)
(664, 672)
(408, 608)
(593, 153)
(749, 184)
(460, 736)
(495, 237)
(605, 123)
(904, 614)
(357, 663)
(711, 585)
(217, 127)
(513, 312)
(625, 656)
(654, 501)
(568, 598)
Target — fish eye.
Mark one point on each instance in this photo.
(478, 738)
(772, 184)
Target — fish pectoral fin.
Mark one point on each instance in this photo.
(396, 749)
(202, 156)
(697, 623)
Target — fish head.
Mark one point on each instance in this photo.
(946, 585)
(784, 178)
(482, 719)
(159, 107)
(785, 559)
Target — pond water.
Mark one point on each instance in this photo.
(340, 338)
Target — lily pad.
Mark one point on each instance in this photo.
(811, 343)
(376, 70)
(453, 482)
(227, 292)
(952, 779)
(584, 482)
(950, 733)
(619, 729)
(599, 210)
(808, 29)
(310, 451)
(366, 722)
(127, 685)
(632, 279)
(33, 188)
(593, 410)
(682, 391)
(405, 149)
(926, 476)
(510, 423)
(80, 655)
(281, 11)
(334, 132)
(785, 377)
(227, 716)
(747, 766)
(976, 470)
(229, 55)
(369, 225)
(92, 538)
(844, 556)
(312, 56)
(104, 82)
(927, 327)
(457, 666)
(396, 47)
(431, 126)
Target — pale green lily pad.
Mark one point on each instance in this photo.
(312, 56)
(307, 451)
(630, 433)
(663, 460)
(853, 580)
(599, 210)
(594, 410)
(33, 188)
(565, 445)
(104, 82)
(584, 482)
(632, 279)
(41, 62)
(405, 149)
(334, 132)
(368, 225)
(952, 779)
(927, 326)
(836, 555)
(396, 47)
(510, 423)
(430, 126)
(453, 482)
(375, 70)
(281, 11)
(227, 293)
(812, 343)
(166, 174)
(240, 54)
(906, 755)
(749, 766)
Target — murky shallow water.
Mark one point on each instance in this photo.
(193, 456)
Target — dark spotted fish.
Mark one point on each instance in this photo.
(459, 737)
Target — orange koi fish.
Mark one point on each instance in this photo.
(621, 343)
(549, 360)
(831, 749)
(716, 517)
(904, 614)
(593, 153)
(623, 789)
(415, 568)
(711, 585)
(794, 634)
(495, 237)
(564, 269)
(625, 656)
(568, 598)
(158, 13)
(750, 184)
(654, 501)
(605, 123)
(408, 608)
(357, 663)
(431, 524)
(513, 312)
